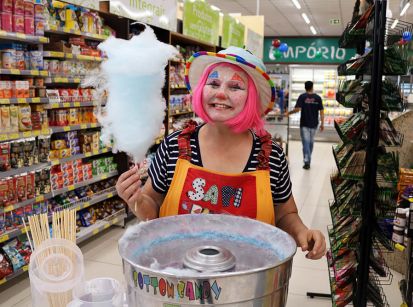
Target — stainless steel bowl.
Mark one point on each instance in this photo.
(212, 260)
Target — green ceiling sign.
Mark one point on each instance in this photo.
(232, 33)
(308, 50)
(200, 21)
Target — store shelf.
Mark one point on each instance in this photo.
(57, 105)
(100, 226)
(19, 272)
(42, 73)
(26, 202)
(80, 156)
(407, 198)
(56, 129)
(62, 55)
(95, 199)
(12, 234)
(27, 169)
(84, 183)
(20, 135)
(179, 113)
(21, 37)
(23, 100)
(54, 80)
(61, 30)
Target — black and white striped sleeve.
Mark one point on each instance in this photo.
(279, 175)
(157, 170)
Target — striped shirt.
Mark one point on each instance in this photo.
(163, 165)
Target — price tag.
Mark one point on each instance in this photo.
(88, 154)
(25, 268)
(3, 33)
(37, 100)
(106, 226)
(34, 72)
(66, 105)
(110, 195)
(65, 80)
(54, 105)
(8, 208)
(104, 176)
(15, 71)
(95, 231)
(71, 187)
(27, 134)
(21, 100)
(21, 35)
(2, 281)
(93, 125)
(36, 132)
(66, 128)
(83, 126)
(14, 136)
(57, 54)
(24, 230)
(4, 238)
(3, 137)
(76, 80)
(69, 56)
(43, 39)
(39, 198)
(44, 73)
(5, 101)
(55, 162)
(76, 104)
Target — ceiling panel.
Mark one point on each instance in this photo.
(283, 19)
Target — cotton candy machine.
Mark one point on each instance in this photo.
(212, 260)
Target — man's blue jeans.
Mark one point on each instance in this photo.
(307, 138)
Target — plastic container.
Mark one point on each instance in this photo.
(98, 292)
(56, 268)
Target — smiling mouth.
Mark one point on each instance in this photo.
(220, 106)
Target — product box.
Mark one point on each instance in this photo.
(29, 9)
(7, 21)
(29, 25)
(18, 23)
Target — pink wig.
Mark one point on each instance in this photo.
(249, 118)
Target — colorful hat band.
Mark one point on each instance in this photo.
(233, 58)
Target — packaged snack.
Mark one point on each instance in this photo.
(6, 6)
(19, 61)
(36, 62)
(4, 194)
(38, 26)
(38, 10)
(30, 184)
(21, 186)
(4, 157)
(12, 191)
(5, 119)
(29, 25)
(36, 208)
(14, 118)
(28, 211)
(58, 144)
(29, 150)
(18, 217)
(10, 249)
(18, 23)
(39, 82)
(16, 154)
(5, 266)
(18, 7)
(25, 122)
(7, 21)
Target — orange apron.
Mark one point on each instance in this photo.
(195, 189)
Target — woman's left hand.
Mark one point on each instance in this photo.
(312, 241)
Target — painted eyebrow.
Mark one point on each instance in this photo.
(236, 77)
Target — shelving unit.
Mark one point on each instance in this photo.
(364, 186)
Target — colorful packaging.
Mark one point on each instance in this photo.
(36, 62)
(4, 157)
(7, 21)
(4, 194)
(25, 122)
(29, 9)
(38, 11)
(6, 6)
(30, 185)
(21, 186)
(38, 26)
(18, 23)
(29, 25)
(14, 118)
(5, 119)
(18, 7)
(8, 58)
(12, 191)
(11, 250)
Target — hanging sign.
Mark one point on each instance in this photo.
(160, 13)
(232, 33)
(307, 50)
(90, 4)
(200, 21)
(255, 43)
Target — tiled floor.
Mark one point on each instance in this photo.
(311, 191)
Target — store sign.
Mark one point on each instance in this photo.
(308, 50)
(232, 33)
(90, 4)
(200, 21)
(255, 43)
(160, 13)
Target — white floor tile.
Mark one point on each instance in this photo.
(15, 293)
(309, 280)
(295, 300)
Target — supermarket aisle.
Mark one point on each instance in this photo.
(312, 191)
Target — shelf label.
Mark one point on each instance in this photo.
(3, 137)
(15, 71)
(43, 39)
(57, 54)
(93, 125)
(25, 268)
(55, 162)
(14, 136)
(24, 230)
(71, 187)
(4, 238)
(21, 100)
(110, 195)
(9, 208)
(54, 105)
(105, 176)
(66, 105)
(83, 126)
(76, 104)
(37, 99)
(88, 154)
(34, 72)
(66, 128)
(39, 198)
(69, 56)
(86, 204)
(106, 226)
(4, 101)
(95, 231)
(20, 35)
(2, 281)
(27, 134)
(44, 73)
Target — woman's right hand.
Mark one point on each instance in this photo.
(129, 187)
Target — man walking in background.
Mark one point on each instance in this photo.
(309, 104)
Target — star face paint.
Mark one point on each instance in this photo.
(225, 93)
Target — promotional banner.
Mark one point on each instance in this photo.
(307, 50)
(232, 33)
(255, 43)
(200, 21)
(90, 4)
(160, 13)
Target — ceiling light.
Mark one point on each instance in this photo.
(297, 4)
(215, 8)
(305, 18)
(394, 24)
(313, 30)
(407, 5)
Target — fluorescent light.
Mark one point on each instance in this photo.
(313, 30)
(405, 8)
(297, 4)
(305, 18)
(394, 24)
(215, 8)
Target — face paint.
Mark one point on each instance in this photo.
(214, 75)
(237, 77)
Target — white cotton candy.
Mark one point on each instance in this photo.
(134, 75)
